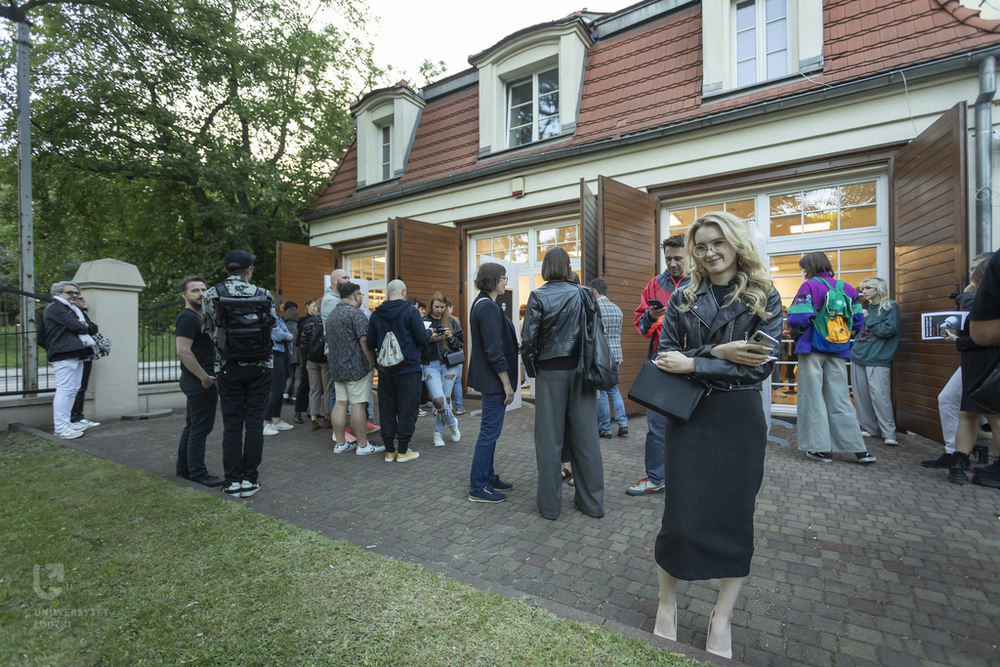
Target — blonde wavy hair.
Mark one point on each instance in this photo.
(881, 291)
(752, 280)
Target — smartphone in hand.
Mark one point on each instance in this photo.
(763, 338)
(654, 303)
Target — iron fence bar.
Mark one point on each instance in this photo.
(21, 375)
(157, 359)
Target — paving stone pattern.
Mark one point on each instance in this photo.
(885, 564)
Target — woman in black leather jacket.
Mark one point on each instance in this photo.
(564, 407)
(715, 461)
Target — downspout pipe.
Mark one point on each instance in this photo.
(984, 154)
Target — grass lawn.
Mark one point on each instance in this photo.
(157, 574)
(10, 348)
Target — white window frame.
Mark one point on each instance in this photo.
(367, 252)
(384, 148)
(761, 51)
(851, 239)
(535, 116)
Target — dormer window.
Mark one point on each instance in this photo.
(385, 151)
(533, 108)
(761, 40)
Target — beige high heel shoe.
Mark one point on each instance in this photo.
(728, 653)
(668, 634)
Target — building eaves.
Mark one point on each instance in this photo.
(832, 92)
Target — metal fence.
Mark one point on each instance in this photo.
(12, 335)
(157, 351)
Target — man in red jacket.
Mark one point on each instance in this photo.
(648, 322)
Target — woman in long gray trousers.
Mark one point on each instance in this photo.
(564, 407)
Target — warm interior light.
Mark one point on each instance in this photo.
(810, 227)
(380, 260)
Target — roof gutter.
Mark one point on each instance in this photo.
(884, 80)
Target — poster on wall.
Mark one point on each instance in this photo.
(508, 304)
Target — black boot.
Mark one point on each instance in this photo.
(959, 463)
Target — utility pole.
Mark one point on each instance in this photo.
(29, 357)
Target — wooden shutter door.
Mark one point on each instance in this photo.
(931, 259)
(590, 262)
(426, 257)
(302, 271)
(629, 250)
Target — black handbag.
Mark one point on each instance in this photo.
(595, 352)
(454, 358)
(985, 391)
(670, 394)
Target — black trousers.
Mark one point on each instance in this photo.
(200, 421)
(243, 394)
(76, 414)
(302, 393)
(277, 386)
(398, 402)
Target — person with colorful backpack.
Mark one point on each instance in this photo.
(825, 311)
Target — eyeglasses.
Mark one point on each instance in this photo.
(71, 293)
(715, 246)
(504, 278)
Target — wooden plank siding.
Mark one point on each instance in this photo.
(589, 234)
(930, 246)
(629, 248)
(302, 271)
(425, 257)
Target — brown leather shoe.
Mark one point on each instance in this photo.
(313, 425)
(327, 423)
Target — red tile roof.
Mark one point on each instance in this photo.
(651, 77)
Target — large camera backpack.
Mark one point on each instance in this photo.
(243, 325)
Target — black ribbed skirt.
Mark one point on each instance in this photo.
(974, 363)
(714, 469)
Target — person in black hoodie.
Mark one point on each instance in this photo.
(67, 343)
(399, 393)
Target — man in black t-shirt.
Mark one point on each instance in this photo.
(196, 351)
(984, 328)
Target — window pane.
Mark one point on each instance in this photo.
(548, 81)
(745, 15)
(520, 116)
(366, 268)
(710, 208)
(567, 233)
(862, 259)
(743, 209)
(776, 36)
(356, 267)
(548, 127)
(545, 236)
(746, 72)
(817, 222)
(863, 216)
(854, 195)
(775, 9)
(548, 105)
(786, 224)
(484, 245)
(520, 93)
(786, 265)
(787, 287)
(521, 135)
(746, 44)
(785, 204)
(385, 134)
(777, 64)
(820, 200)
(379, 267)
(681, 219)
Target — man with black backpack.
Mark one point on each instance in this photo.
(240, 316)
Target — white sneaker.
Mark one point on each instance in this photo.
(438, 440)
(270, 430)
(83, 425)
(370, 449)
(422, 413)
(283, 426)
(865, 434)
(892, 442)
(455, 434)
(71, 434)
(346, 447)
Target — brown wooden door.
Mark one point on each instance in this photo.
(629, 249)
(303, 271)
(426, 257)
(590, 262)
(930, 241)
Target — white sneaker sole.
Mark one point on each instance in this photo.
(456, 435)
(340, 449)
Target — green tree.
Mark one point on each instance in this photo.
(166, 132)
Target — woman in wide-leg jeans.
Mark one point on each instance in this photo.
(438, 376)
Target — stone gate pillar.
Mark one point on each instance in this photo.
(111, 289)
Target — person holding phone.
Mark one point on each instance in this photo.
(648, 321)
(871, 359)
(438, 376)
(707, 529)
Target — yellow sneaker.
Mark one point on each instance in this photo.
(390, 457)
(408, 456)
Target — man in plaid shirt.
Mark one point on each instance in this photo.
(611, 316)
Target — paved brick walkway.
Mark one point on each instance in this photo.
(879, 565)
